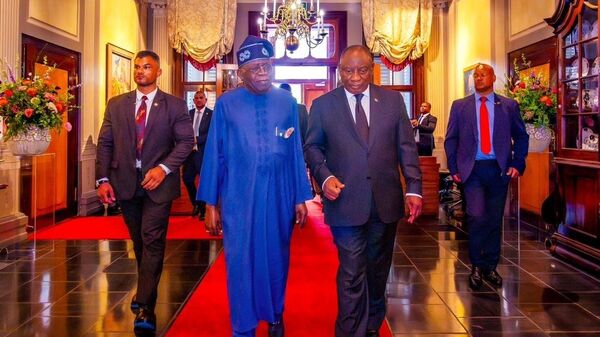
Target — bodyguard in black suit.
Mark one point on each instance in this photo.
(358, 135)
(423, 128)
(200, 117)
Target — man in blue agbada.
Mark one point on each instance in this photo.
(254, 182)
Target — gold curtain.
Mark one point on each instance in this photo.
(204, 29)
(397, 29)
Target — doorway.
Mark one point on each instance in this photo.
(37, 55)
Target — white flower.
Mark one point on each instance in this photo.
(52, 107)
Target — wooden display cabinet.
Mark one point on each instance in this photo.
(575, 23)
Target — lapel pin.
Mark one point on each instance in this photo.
(155, 104)
(376, 100)
(288, 133)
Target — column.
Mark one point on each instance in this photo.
(437, 78)
(88, 202)
(159, 42)
(12, 223)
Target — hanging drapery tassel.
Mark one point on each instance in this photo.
(199, 65)
(395, 67)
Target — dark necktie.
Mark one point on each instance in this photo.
(484, 127)
(361, 119)
(197, 122)
(140, 128)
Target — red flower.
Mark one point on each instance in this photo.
(59, 106)
(31, 92)
(544, 99)
(8, 93)
(549, 102)
(3, 102)
(28, 112)
(522, 85)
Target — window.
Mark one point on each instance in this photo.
(408, 82)
(194, 80)
(324, 50)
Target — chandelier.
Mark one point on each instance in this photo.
(294, 20)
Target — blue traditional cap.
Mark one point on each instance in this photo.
(254, 48)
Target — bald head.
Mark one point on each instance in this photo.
(484, 79)
(357, 48)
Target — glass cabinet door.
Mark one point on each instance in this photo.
(581, 68)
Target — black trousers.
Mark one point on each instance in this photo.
(485, 193)
(191, 169)
(147, 222)
(424, 149)
(365, 255)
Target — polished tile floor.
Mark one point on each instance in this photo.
(428, 292)
(83, 288)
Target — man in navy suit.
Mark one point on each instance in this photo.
(358, 136)
(200, 117)
(486, 145)
(423, 126)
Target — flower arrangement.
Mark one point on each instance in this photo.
(538, 103)
(31, 102)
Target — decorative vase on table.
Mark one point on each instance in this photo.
(539, 137)
(31, 142)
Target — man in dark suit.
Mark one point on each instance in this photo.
(302, 113)
(486, 145)
(358, 136)
(200, 117)
(423, 127)
(145, 137)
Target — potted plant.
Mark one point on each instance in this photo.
(537, 101)
(30, 108)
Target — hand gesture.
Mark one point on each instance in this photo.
(332, 189)
(213, 221)
(415, 205)
(301, 213)
(106, 194)
(153, 178)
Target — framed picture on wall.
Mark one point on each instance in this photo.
(119, 71)
(469, 83)
(227, 77)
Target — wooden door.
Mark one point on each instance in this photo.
(64, 145)
(313, 91)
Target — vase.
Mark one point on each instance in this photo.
(539, 137)
(30, 142)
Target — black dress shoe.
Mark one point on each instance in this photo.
(145, 320)
(493, 278)
(134, 306)
(372, 333)
(196, 210)
(276, 329)
(475, 279)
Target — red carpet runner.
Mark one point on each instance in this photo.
(113, 228)
(311, 304)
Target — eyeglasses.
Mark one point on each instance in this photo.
(255, 69)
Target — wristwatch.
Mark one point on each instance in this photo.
(101, 181)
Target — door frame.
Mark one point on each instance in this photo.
(34, 49)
